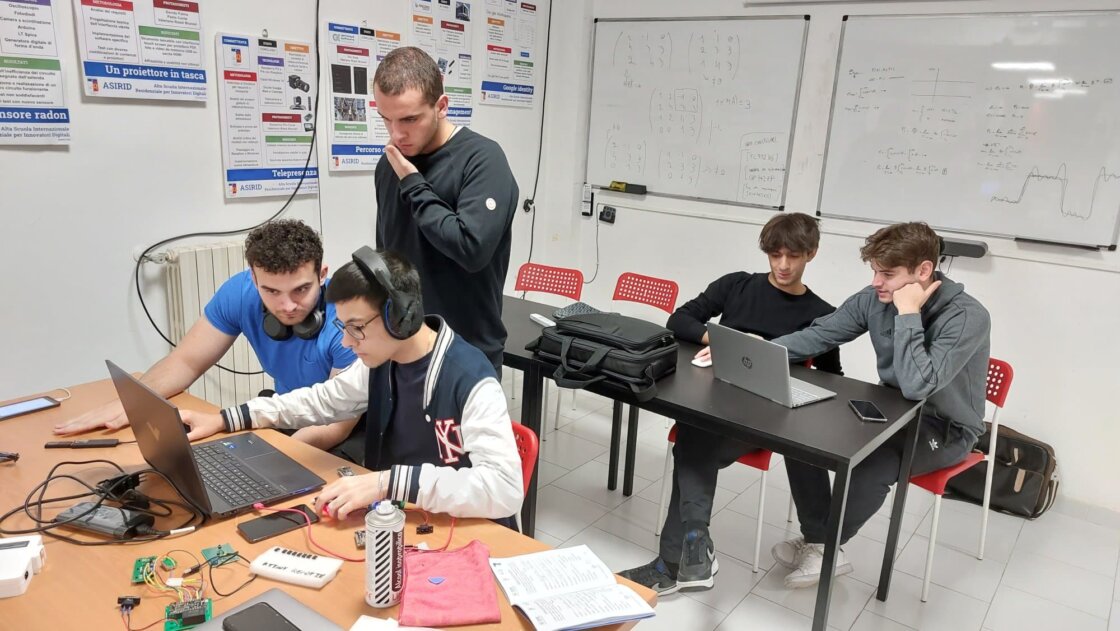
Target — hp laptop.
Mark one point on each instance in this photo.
(221, 477)
(761, 367)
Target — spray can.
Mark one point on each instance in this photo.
(384, 555)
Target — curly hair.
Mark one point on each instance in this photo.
(409, 67)
(283, 246)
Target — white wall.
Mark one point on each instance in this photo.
(1054, 310)
(140, 171)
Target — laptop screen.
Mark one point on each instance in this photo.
(160, 436)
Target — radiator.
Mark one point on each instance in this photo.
(193, 275)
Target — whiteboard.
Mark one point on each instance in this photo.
(989, 124)
(696, 108)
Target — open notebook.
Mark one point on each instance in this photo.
(569, 588)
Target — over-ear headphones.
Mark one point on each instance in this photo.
(403, 313)
(306, 330)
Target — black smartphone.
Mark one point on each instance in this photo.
(27, 407)
(259, 617)
(867, 411)
(274, 524)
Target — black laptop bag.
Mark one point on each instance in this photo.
(1025, 479)
(608, 347)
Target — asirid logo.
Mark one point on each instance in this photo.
(747, 362)
(118, 85)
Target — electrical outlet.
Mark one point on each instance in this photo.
(606, 215)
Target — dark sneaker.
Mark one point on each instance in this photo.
(698, 562)
(653, 575)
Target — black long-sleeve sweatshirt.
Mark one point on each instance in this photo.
(749, 303)
(452, 221)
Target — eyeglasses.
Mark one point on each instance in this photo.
(356, 331)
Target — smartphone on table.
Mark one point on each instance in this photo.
(867, 411)
(27, 407)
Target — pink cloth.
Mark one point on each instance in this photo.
(447, 589)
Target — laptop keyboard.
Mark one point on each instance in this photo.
(576, 308)
(229, 478)
(801, 397)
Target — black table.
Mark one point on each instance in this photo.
(825, 434)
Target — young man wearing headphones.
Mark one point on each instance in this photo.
(438, 433)
(278, 304)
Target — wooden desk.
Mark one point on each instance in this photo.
(79, 586)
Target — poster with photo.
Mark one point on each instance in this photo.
(267, 88)
(357, 136)
(32, 90)
(442, 28)
(142, 49)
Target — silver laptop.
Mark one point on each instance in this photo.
(222, 477)
(760, 367)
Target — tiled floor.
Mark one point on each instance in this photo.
(1054, 573)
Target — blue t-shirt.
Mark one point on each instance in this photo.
(294, 363)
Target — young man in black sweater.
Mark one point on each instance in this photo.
(445, 200)
(767, 305)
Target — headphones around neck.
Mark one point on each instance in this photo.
(306, 330)
(403, 313)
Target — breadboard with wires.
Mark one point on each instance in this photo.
(187, 614)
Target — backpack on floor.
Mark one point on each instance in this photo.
(1024, 481)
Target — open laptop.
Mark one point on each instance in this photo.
(758, 366)
(221, 477)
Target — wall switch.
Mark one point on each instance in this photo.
(606, 215)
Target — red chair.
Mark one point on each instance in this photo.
(759, 459)
(527, 447)
(655, 292)
(999, 382)
(559, 281)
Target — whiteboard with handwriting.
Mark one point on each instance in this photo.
(696, 108)
(988, 124)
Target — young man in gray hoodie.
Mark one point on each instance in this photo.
(931, 341)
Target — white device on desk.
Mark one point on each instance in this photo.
(293, 566)
(541, 320)
(20, 559)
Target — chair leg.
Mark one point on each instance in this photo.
(559, 395)
(574, 393)
(990, 459)
(513, 384)
(789, 512)
(758, 526)
(666, 487)
(932, 543)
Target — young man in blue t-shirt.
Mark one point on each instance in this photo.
(278, 304)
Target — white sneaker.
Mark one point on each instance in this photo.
(808, 572)
(788, 553)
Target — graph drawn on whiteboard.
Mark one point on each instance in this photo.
(696, 108)
(987, 124)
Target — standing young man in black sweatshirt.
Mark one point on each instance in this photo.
(445, 200)
(767, 305)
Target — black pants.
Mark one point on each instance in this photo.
(698, 456)
(870, 481)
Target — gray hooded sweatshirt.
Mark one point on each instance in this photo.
(940, 355)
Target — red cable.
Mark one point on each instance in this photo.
(310, 538)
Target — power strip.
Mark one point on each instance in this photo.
(298, 568)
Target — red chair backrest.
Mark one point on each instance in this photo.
(656, 292)
(561, 281)
(999, 380)
(527, 446)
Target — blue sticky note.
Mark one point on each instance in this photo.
(435, 580)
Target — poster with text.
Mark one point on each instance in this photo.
(142, 49)
(32, 91)
(510, 77)
(357, 136)
(442, 28)
(267, 89)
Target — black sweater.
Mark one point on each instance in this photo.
(749, 303)
(452, 221)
